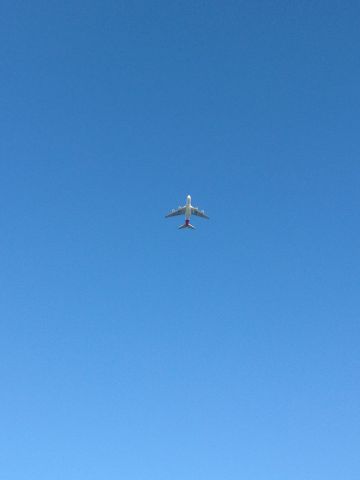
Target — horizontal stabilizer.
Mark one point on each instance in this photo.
(187, 224)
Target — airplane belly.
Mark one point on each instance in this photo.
(187, 212)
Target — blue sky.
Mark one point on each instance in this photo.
(130, 349)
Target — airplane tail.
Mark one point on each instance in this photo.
(187, 224)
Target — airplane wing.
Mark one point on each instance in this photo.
(174, 213)
(199, 213)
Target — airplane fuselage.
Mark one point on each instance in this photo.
(188, 208)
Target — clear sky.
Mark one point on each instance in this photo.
(132, 350)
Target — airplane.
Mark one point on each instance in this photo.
(187, 210)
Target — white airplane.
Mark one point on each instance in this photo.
(187, 210)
